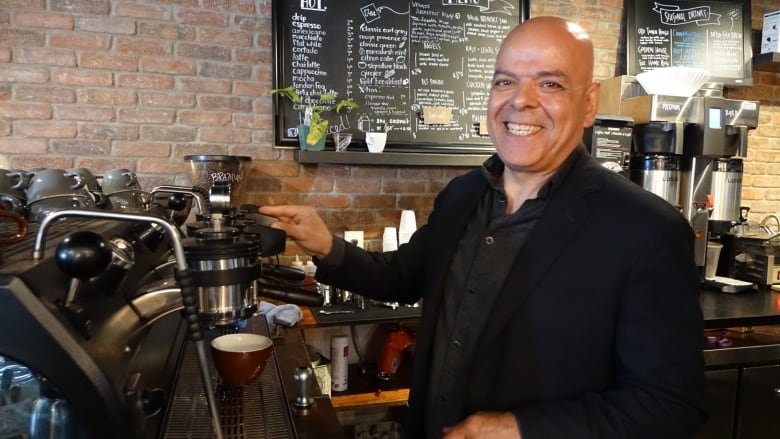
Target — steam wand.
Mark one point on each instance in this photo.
(182, 275)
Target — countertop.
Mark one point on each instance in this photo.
(748, 308)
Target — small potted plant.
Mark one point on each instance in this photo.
(313, 128)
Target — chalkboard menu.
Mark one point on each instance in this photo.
(420, 70)
(712, 35)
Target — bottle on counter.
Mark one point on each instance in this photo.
(309, 271)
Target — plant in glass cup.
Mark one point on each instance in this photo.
(313, 127)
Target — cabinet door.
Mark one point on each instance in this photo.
(759, 403)
(721, 403)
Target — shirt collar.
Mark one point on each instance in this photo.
(493, 170)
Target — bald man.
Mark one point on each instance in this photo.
(560, 299)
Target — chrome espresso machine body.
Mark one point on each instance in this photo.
(100, 339)
(689, 151)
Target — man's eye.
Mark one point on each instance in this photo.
(501, 83)
(550, 84)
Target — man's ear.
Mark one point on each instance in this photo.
(592, 99)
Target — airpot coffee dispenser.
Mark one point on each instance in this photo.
(689, 150)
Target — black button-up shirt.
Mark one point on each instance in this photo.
(480, 265)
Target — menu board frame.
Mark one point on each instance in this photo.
(674, 15)
(416, 136)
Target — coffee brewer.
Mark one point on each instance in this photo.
(689, 150)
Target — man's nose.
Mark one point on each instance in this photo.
(526, 95)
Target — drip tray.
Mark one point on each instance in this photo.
(258, 411)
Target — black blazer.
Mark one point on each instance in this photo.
(597, 332)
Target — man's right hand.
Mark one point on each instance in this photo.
(304, 225)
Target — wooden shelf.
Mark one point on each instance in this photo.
(767, 62)
(365, 389)
(391, 158)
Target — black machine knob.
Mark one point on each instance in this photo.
(83, 255)
(177, 202)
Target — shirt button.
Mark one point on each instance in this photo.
(489, 240)
(501, 199)
(456, 343)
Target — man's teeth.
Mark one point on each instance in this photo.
(522, 130)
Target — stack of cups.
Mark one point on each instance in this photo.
(407, 226)
(389, 240)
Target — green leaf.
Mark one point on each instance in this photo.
(288, 92)
(316, 131)
(345, 104)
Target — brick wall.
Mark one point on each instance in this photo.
(138, 84)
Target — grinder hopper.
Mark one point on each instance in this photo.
(221, 176)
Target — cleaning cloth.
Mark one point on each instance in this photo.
(285, 315)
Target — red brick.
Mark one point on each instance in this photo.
(160, 166)
(45, 93)
(110, 131)
(200, 17)
(5, 92)
(10, 37)
(24, 111)
(275, 168)
(150, 81)
(81, 6)
(167, 65)
(141, 46)
(166, 31)
(358, 185)
(84, 112)
(5, 128)
(327, 201)
(110, 61)
(45, 129)
(166, 99)
(168, 133)
(227, 135)
(50, 57)
(223, 37)
(140, 149)
(205, 118)
(141, 10)
(23, 146)
(207, 85)
(82, 77)
(107, 96)
(202, 51)
(262, 57)
(308, 185)
(263, 121)
(252, 23)
(147, 115)
(240, 6)
(250, 88)
(373, 201)
(28, 4)
(80, 147)
(100, 165)
(5, 54)
(231, 71)
(226, 103)
(79, 41)
(48, 20)
(106, 25)
(42, 161)
(184, 3)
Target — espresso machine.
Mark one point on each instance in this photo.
(107, 316)
(689, 151)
